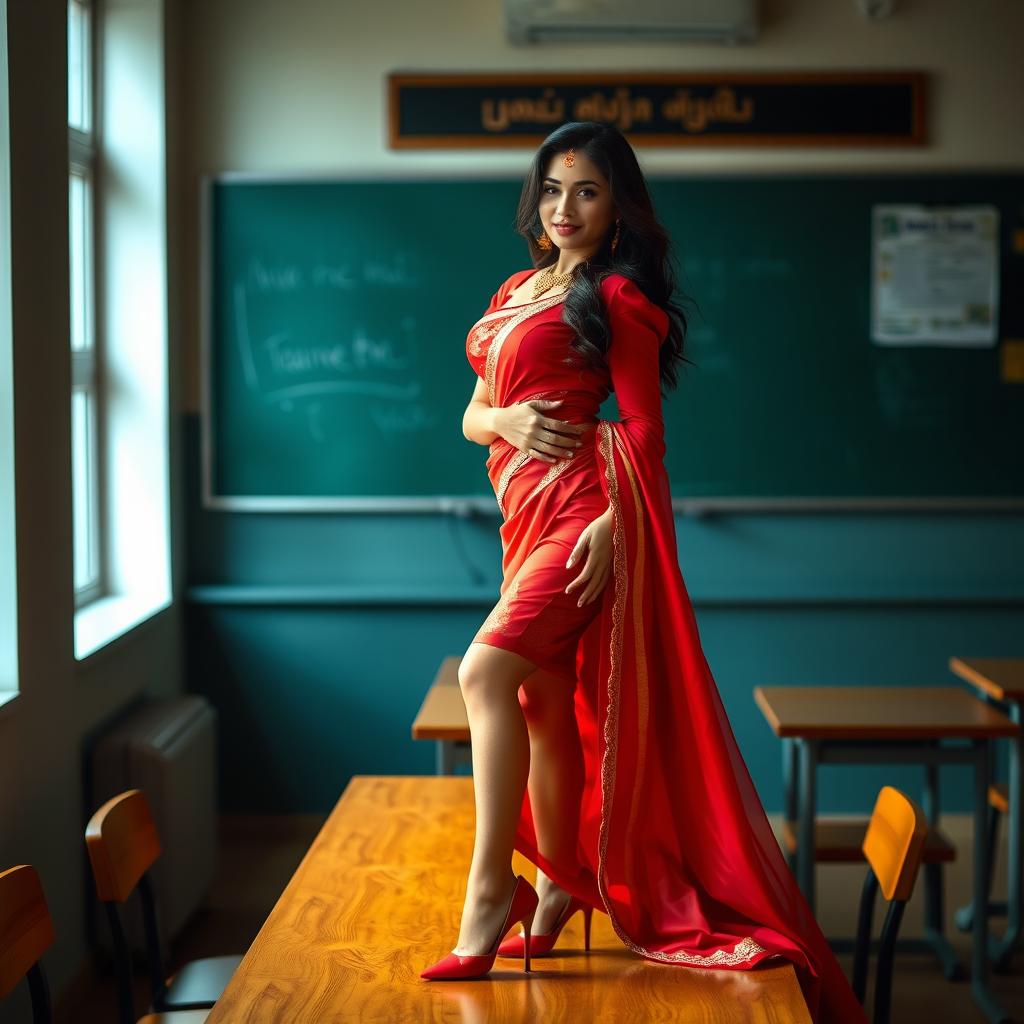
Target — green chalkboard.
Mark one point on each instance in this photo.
(336, 312)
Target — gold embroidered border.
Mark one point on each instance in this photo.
(556, 469)
(642, 688)
(481, 333)
(500, 613)
(519, 305)
(513, 321)
(517, 461)
(514, 464)
(747, 948)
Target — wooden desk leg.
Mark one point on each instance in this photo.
(1002, 950)
(979, 934)
(789, 770)
(934, 882)
(448, 754)
(933, 909)
(808, 809)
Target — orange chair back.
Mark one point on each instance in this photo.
(26, 929)
(894, 842)
(123, 844)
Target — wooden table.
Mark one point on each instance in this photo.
(892, 725)
(442, 717)
(378, 897)
(1000, 682)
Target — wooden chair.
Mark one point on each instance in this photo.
(26, 933)
(122, 841)
(842, 842)
(893, 847)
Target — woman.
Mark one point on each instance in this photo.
(601, 749)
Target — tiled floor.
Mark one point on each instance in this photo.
(259, 856)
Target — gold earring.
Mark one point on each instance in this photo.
(543, 241)
(615, 239)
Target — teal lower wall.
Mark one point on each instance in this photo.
(309, 696)
(316, 636)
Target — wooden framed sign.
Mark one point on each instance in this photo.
(810, 108)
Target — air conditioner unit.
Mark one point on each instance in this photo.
(613, 21)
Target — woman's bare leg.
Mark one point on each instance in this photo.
(555, 781)
(490, 678)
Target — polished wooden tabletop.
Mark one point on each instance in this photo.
(880, 712)
(1002, 678)
(378, 897)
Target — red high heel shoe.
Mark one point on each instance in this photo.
(455, 965)
(541, 944)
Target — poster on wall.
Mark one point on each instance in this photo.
(935, 275)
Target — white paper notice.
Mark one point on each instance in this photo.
(935, 275)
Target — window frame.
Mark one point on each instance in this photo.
(84, 149)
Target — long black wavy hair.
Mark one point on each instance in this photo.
(643, 252)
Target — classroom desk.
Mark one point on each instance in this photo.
(378, 897)
(889, 725)
(442, 718)
(1000, 682)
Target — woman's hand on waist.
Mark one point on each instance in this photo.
(528, 428)
(595, 543)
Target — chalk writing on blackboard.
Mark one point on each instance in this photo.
(281, 366)
(267, 275)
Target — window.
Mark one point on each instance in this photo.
(120, 443)
(8, 544)
(86, 421)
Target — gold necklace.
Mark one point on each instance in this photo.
(547, 278)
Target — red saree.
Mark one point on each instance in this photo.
(674, 844)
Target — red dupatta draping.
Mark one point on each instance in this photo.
(687, 865)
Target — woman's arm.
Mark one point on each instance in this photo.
(638, 328)
(478, 421)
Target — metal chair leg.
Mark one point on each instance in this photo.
(862, 948)
(883, 972)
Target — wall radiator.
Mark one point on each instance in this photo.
(168, 749)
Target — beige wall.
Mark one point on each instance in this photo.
(41, 733)
(300, 87)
